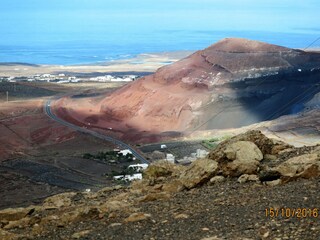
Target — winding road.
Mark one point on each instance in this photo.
(120, 144)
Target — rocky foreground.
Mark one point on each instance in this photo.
(249, 187)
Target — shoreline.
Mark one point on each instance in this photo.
(142, 63)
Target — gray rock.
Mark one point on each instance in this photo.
(243, 158)
(248, 178)
(199, 172)
(274, 182)
(305, 166)
(217, 179)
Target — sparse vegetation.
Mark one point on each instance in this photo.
(213, 142)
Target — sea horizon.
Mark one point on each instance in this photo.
(83, 52)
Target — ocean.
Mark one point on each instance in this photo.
(66, 50)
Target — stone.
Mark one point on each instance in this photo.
(48, 219)
(217, 179)
(278, 149)
(248, 178)
(106, 191)
(181, 216)
(59, 201)
(264, 233)
(274, 183)
(135, 217)
(155, 196)
(78, 214)
(115, 224)
(241, 157)
(270, 157)
(162, 169)
(21, 223)
(199, 172)
(173, 186)
(114, 205)
(81, 234)
(260, 140)
(304, 166)
(13, 214)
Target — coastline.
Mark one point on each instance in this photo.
(142, 64)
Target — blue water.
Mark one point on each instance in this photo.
(68, 50)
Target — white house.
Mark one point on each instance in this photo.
(125, 152)
(46, 75)
(201, 153)
(170, 158)
(141, 166)
(136, 176)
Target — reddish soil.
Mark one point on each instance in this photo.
(210, 88)
(24, 126)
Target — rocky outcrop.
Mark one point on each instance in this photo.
(304, 166)
(241, 157)
(266, 145)
(198, 173)
(233, 162)
(13, 214)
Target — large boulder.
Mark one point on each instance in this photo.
(305, 166)
(265, 144)
(162, 169)
(199, 172)
(242, 157)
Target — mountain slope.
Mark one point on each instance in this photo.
(247, 80)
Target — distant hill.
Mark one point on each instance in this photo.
(232, 83)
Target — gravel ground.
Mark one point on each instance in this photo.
(227, 210)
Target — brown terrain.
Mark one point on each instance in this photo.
(249, 187)
(40, 157)
(233, 83)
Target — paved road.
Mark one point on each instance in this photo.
(120, 144)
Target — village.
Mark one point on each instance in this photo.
(134, 171)
(61, 78)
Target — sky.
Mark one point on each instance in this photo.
(128, 15)
(40, 22)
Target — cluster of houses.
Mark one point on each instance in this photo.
(63, 78)
(200, 153)
(110, 78)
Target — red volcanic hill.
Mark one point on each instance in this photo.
(232, 83)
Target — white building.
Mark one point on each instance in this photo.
(170, 158)
(125, 152)
(136, 176)
(163, 146)
(141, 166)
(201, 153)
(46, 75)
